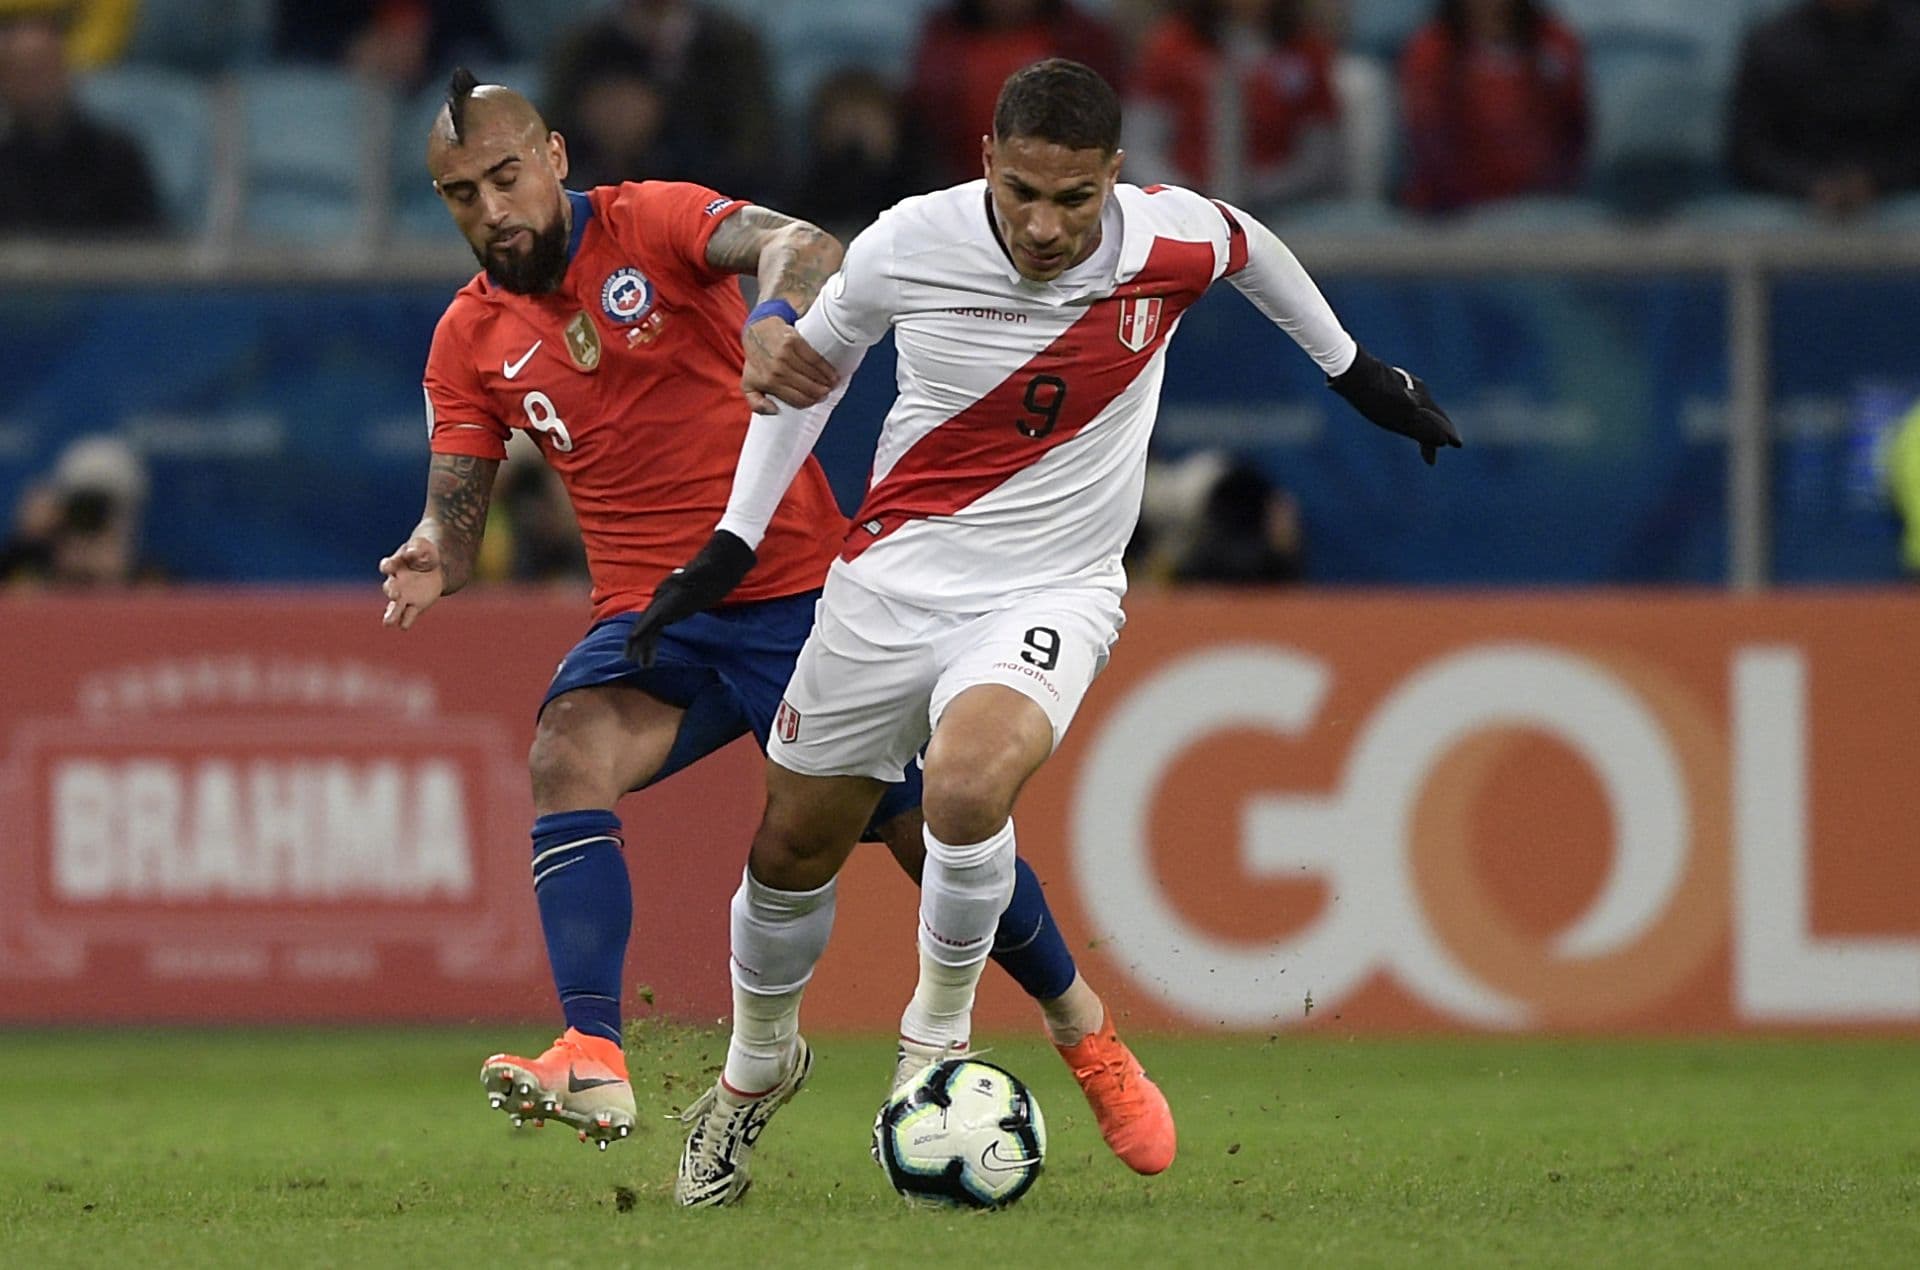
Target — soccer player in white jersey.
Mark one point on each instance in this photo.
(978, 591)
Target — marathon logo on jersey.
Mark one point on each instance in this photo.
(786, 723)
(718, 206)
(1139, 320)
(626, 295)
(991, 315)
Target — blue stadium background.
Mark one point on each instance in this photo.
(282, 425)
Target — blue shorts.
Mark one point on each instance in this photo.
(726, 668)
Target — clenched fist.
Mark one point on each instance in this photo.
(782, 365)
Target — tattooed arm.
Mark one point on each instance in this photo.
(438, 559)
(792, 260)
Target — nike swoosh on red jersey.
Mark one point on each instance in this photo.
(510, 369)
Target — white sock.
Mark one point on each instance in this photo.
(1075, 1014)
(777, 937)
(963, 891)
(764, 1028)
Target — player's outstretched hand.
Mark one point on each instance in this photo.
(414, 581)
(695, 587)
(1397, 401)
(782, 365)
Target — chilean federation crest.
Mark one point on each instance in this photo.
(627, 295)
(1139, 320)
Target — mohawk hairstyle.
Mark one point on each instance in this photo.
(459, 89)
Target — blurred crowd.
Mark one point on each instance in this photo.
(79, 528)
(835, 110)
(302, 120)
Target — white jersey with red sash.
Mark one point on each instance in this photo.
(1013, 457)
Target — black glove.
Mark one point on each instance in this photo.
(1396, 401)
(695, 587)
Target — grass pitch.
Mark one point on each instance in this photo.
(375, 1148)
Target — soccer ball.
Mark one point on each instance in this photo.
(961, 1134)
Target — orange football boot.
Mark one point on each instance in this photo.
(581, 1080)
(1133, 1114)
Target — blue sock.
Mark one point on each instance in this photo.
(1028, 945)
(586, 909)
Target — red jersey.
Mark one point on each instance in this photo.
(1486, 122)
(958, 68)
(628, 379)
(1286, 90)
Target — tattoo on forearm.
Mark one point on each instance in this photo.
(459, 489)
(734, 245)
(792, 259)
(797, 273)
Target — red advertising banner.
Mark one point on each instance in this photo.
(1638, 812)
(263, 806)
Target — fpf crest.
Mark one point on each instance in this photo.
(786, 723)
(1139, 320)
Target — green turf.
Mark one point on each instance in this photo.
(374, 1148)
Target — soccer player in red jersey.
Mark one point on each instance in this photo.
(609, 326)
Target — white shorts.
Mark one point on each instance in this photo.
(876, 674)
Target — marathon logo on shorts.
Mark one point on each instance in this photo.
(1139, 319)
(786, 723)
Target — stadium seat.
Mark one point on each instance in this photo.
(1381, 27)
(754, 11)
(1339, 216)
(1653, 17)
(172, 117)
(1544, 214)
(310, 154)
(416, 209)
(808, 42)
(201, 35)
(1737, 212)
(1368, 116)
(1657, 120)
(1713, 27)
(1900, 213)
(531, 26)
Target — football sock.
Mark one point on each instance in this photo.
(963, 891)
(776, 938)
(1074, 1015)
(586, 911)
(1028, 944)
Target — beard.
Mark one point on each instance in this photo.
(535, 272)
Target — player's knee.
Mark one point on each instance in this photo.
(549, 767)
(800, 843)
(965, 803)
(783, 840)
(792, 861)
(560, 769)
